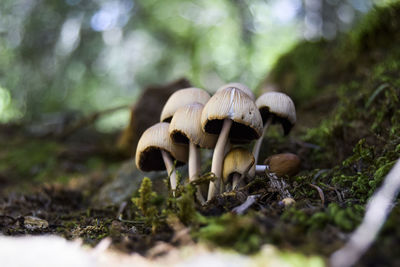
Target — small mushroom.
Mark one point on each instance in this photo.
(285, 164)
(156, 151)
(237, 163)
(185, 128)
(181, 98)
(230, 113)
(274, 107)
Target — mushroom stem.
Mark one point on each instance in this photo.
(194, 157)
(257, 145)
(169, 165)
(243, 176)
(235, 180)
(194, 168)
(228, 147)
(218, 157)
(260, 169)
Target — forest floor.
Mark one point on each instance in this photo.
(347, 137)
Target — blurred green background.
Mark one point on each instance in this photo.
(80, 56)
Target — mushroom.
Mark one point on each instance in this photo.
(185, 128)
(285, 164)
(180, 98)
(274, 107)
(236, 165)
(156, 151)
(248, 92)
(229, 113)
(241, 87)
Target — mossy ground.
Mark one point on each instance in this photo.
(348, 137)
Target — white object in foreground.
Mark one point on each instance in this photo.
(44, 251)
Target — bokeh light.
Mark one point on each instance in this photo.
(93, 55)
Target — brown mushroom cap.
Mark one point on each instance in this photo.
(280, 107)
(185, 126)
(283, 164)
(238, 160)
(241, 87)
(232, 103)
(148, 151)
(181, 98)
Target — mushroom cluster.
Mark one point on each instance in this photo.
(192, 119)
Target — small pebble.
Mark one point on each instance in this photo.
(33, 223)
(286, 202)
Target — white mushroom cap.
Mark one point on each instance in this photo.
(280, 107)
(232, 103)
(238, 160)
(185, 127)
(181, 98)
(148, 151)
(241, 87)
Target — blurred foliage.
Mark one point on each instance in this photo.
(87, 55)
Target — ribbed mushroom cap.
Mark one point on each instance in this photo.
(280, 107)
(185, 126)
(238, 160)
(241, 87)
(181, 98)
(148, 151)
(232, 103)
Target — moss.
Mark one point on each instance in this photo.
(342, 218)
(146, 196)
(147, 204)
(380, 28)
(358, 140)
(237, 232)
(27, 161)
(297, 71)
(28, 157)
(186, 206)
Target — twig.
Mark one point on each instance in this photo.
(69, 130)
(243, 176)
(205, 178)
(246, 205)
(320, 192)
(121, 209)
(378, 208)
(9, 217)
(338, 194)
(318, 174)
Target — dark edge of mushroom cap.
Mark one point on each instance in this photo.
(286, 124)
(268, 105)
(185, 127)
(236, 105)
(148, 151)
